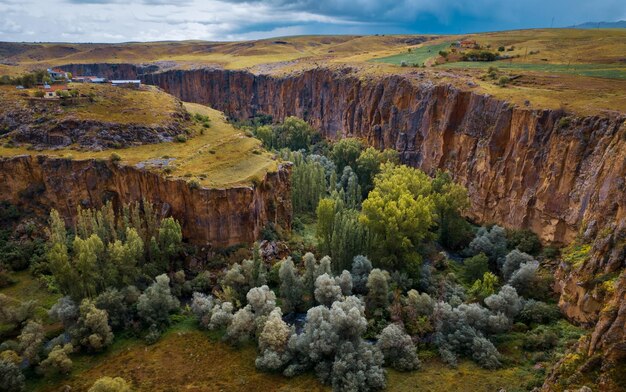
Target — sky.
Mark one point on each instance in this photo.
(225, 20)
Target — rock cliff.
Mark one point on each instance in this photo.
(214, 217)
(560, 175)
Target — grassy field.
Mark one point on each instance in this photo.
(219, 156)
(188, 359)
(609, 71)
(416, 56)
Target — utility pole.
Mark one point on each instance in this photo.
(552, 23)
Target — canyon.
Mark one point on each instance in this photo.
(556, 173)
(209, 217)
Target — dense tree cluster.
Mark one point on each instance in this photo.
(111, 250)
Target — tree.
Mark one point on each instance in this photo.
(399, 213)
(273, 343)
(325, 212)
(506, 301)
(290, 286)
(65, 311)
(170, 239)
(398, 348)
(327, 291)
(109, 384)
(221, 315)
(361, 268)
(475, 267)
(308, 182)
(92, 330)
(11, 378)
(450, 200)
(358, 366)
(513, 261)
(346, 152)
(294, 134)
(492, 243)
(524, 279)
(345, 282)
(241, 327)
(58, 359)
(157, 302)
(114, 302)
(31, 341)
(202, 307)
(368, 166)
(482, 289)
(349, 188)
(377, 299)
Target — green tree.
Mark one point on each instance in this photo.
(170, 241)
(482, 289)
(157, 303)
(368, 166)
(450, 201)
(294, 134)
(475, 267)
(291, 287)
(326, 210)
(399, 212)
(346, 152)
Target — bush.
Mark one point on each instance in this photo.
(109, 384)
(361, 268)
(506, 301)
(180, 138)
(58, 360)
(525, 279)
(503, 81)
(92, 330)
(327, 290)
(513, 261)
(157, 303)
(11, 378)
(115, 157)
(398, 349)
(524, 240)
(538, 312)
(492, 243)
(541, 338)
(475, 267)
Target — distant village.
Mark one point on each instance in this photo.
(56, 85)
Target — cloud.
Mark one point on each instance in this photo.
(137, 20)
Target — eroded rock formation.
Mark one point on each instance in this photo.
(215, 217)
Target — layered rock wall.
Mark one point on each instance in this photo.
(215, 217)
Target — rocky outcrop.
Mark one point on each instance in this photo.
(215, 217)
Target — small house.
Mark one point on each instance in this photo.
(126, 83)
(58, 74)
(50, 91)
(88, 79)
(469, 44)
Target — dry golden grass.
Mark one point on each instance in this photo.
(184, 359)
(188, 359)
(217, 157)
(146, 106)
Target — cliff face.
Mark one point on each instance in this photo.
(561, 176)
(110, 71)
(216, 217)
(538, 169)
(523, 168)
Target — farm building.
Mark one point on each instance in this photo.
(126, 83)
(58, 74)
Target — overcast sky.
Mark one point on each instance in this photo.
(151, 20)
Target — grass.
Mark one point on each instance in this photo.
(28, 288)
(416, 55)
(186, 358)
(609, 71)
(215, 157)
(145, 106)
(183, 359)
